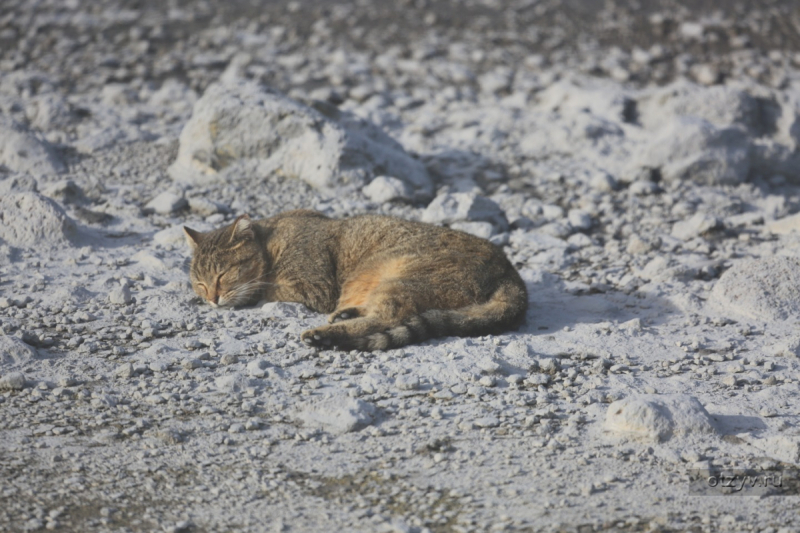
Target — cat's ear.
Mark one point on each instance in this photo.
(242, 228)
(193, 237)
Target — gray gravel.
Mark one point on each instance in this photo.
(636, 160)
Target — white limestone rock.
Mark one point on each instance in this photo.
(448, 208)
(692, 149)
(767, 288)
(14, 352)
(325, 147)
(337, 414)
(386, 188)
(30, 220)
(658, 417)
(22, 151)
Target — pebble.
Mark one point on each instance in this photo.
(487, 422)
(124, 371)
(407, 382)
(191, 364)
(158, 366)
(166, 203)
(229, 359)
(12, 381)
(257, 369)
(120, 295)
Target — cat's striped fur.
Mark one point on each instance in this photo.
(385, 282)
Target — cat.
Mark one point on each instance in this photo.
(385, 282)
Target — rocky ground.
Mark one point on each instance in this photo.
(638, 162)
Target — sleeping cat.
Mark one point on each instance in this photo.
(385, 282)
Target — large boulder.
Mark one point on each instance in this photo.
(22, 151)
(766, 289)
(29, 220)
(695, 150)
(323, 146)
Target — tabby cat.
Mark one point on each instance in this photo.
(385, 282)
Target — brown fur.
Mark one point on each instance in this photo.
(385, 282)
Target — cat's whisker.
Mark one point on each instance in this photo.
(242, 293)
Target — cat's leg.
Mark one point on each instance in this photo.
(344, 335)
(346, 314)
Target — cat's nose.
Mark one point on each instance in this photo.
(216, 298)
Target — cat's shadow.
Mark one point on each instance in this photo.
(553, 307)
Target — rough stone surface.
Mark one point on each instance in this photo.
(688, 148)
(22, 151)
(658, 418)
(464, 207)
(14, 352)
(337, 414)
(766, 288)
(324, 147)
(31, 220)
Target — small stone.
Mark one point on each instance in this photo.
(407, 382)
(158, 366)
(124, 371)
(205, 207)
(488, 381)
(13, 381)
(257, 369)
(386, 188)
(729, 381)
(236, 428)
(579, 219)
(603, 182)
(229, 359)
(696, 226)
(166, 203)
(191, 364)
(487, 422)
(120, 295)
(489, 366)
(154, 399)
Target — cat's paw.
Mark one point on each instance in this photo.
(344, 314)
(317, 338)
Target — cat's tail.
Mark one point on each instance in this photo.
(503, 311)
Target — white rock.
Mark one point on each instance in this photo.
(657, 418)
(603, 182)
(12, 381)
(206, 207)
(785, 225)
(696, 226)
(407, 382)
(448, 208)
(487, 422)
(580, 219)
(484, 230)
(325, 147)
(31, 220)
(22, 151)
(765, 289)
(695, 150)
(337, 414)
(166, 203)
(386, 188)
(120, 295)
(257, 368)
(15, 352)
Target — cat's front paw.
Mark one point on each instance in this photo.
(316, 338)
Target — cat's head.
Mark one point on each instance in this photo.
(229, 265)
